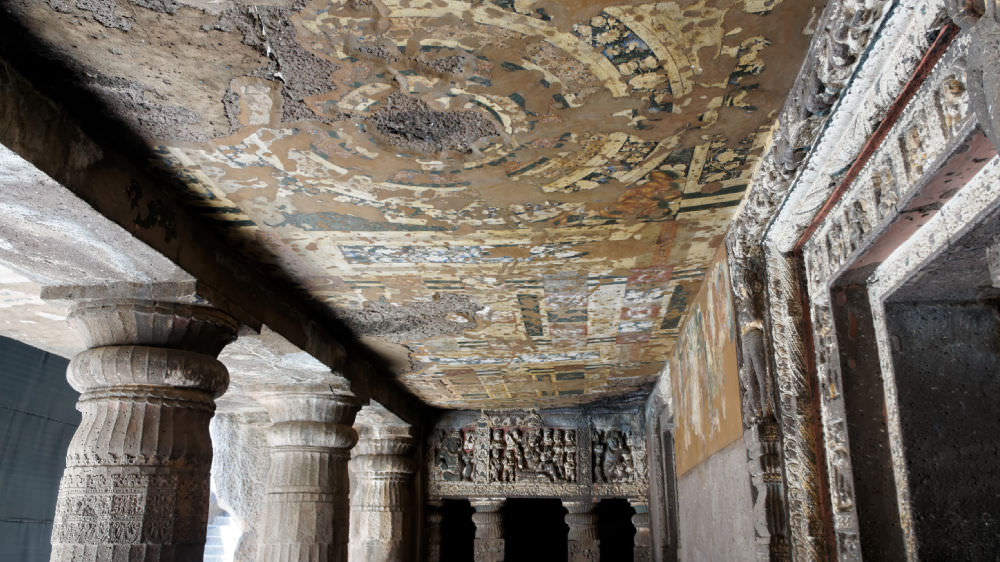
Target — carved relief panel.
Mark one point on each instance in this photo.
(454, 455)
(543, 454)
(526, 454)
(613, 459)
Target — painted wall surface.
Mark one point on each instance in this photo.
(715, 509)
(37, 420)
(703, 373)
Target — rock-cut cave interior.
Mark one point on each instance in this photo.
(485, 280)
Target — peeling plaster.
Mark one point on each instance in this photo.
(537, 190)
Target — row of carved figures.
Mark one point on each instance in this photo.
(536, 453)
(533, 453)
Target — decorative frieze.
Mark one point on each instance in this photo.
(614, 460)
(136, 484)
(525, 454)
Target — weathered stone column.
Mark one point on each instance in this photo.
(583, 543)
(489, 529)
(432, 529)
(381, 494)
(304, 516)
(642, 544)
(136, 485)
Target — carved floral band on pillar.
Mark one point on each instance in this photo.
(489, 546)
(136, 484)
(305, 508)
(643, 544)
(381, 471)
(583, 544)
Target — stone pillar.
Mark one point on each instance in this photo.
(381, 492)
(583, 544)
(642, 544)
(489, 529)
(432, 529)
(136, 485)
(304, 515)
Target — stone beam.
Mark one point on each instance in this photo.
(96, 171)
(55, 250)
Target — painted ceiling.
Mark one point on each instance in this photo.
(524, 194)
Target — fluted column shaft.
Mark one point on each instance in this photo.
(583, 544)
(489, 544)
(432, 530)
(381, 474)
(304, 516)
(643, 542)
(136, 484)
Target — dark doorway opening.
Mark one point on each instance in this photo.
(458, 532)
(944, 328)
(615, 529)
(534, 529)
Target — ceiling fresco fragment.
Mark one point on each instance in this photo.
(525, 194)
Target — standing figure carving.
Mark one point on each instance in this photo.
(454, 455)
(613, 458)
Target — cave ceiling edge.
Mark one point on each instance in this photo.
(510, 205)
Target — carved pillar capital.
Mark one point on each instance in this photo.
(583, 544)
(489, 529)
(381, 473)
(305, 506)
(642, 549)
(136, 480)
(310, 415)
(198, 329)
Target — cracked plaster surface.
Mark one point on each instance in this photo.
(567, 168)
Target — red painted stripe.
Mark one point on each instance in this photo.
(931, 57)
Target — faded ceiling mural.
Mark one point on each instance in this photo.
(524, 194)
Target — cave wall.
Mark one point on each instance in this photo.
(697, 405)
(37, 421)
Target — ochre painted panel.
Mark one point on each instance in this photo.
(703, 373)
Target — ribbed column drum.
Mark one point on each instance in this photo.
(136, 484)
(583, 544)
(643, 542)
(381, 478)
(305, 511)
(489, 545)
